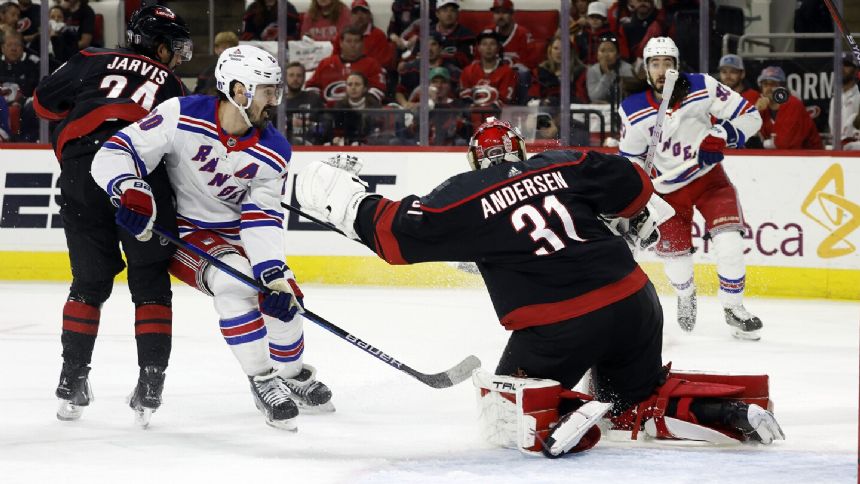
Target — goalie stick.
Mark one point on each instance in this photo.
(456, 374)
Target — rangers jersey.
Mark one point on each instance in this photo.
(229, 185)
(684, 127)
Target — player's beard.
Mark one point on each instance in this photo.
(262, 120)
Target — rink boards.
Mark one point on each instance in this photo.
(802, 212)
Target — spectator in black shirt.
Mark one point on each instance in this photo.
(18, 78)
(260, 21)
(29, 23)
(351, 126)
(82, 19)
(64, 40)
(305, 124)
(206, 79)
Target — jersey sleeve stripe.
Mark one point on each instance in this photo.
(196, 129)
(141, 166)
(271, 154)
(265, 159)
(117, 180)
(653, 112)
(387, 246)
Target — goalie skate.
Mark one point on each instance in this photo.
(146, 396)
(744, 325)
(272, 399)
(687, 312)
(74, 392)
(310, 394)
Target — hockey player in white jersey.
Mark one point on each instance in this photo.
(228, 165)
(688, 174)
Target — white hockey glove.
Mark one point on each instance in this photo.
(640, 231)
(331, 193)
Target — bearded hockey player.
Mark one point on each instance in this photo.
(690, 138)
(561, 281)
(227, 165)
(95, 93)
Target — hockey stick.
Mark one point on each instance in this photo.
(313, 219)
(668, 87)
(458, 373)
(840, 24)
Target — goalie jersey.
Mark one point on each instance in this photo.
(685, 126)
(229, 185)
(532, 227)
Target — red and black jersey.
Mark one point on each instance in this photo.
(495, 88)
(100, 90)
(532, 228)
(329, 78)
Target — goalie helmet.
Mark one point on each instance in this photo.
(252, 67)
(154, 25)
(494, 142)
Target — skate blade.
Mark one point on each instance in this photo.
(746, 335)
(289, 424)
(326, 407)
(68, 411)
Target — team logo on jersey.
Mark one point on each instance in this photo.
(231, 142)
(833, 211)
(335, 91)
(484, 94)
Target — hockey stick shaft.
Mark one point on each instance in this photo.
(668, 86)
(840, 24)
(445, 379)
(313, 219)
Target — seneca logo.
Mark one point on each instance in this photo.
(827, 206)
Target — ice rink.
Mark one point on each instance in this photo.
(389, 428)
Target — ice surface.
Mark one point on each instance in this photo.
(389, 428)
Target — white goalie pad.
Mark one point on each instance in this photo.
(502, 418)
(570, 429)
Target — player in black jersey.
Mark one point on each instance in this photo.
(94, 94)
(543, 232)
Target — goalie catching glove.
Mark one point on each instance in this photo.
(332, 192)
(640, 231)
(523, 413)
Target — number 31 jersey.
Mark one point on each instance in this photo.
(100, 90)
(532, 227)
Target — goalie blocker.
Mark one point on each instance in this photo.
(539, 416)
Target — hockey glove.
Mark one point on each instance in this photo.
(711, 148)
(135, 208)
(346, 162)
(331, 193)
(285, 299)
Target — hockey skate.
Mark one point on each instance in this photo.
(146, 396)
(74, 392)
(756, 423)
(272, 398)
(687, 312)
(311, 395)
(744, 324)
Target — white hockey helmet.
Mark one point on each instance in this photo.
(252, 66)
(660, 46)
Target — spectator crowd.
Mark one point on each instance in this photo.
(368, 90)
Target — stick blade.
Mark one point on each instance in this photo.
(457, 374)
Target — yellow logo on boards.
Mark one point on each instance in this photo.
(833, 211)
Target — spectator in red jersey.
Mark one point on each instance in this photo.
(324, 19)
(618, 13)
(786, 126)
(645, 21)
(732, 74)
(260, 21)
(516, 40)
(546, 85)
(406, 93)
(329, 78)
(82, 19)
(376, 43)
(488, 81)
(597, 27)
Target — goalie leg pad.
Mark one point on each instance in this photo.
(522, 413)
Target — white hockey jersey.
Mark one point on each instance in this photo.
(229, 185)
(708, 102)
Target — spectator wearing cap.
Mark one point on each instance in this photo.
(329, 78)
(732, 74)
(324, 19)
(786, 126)
(645, 21)
(406, 93)
(488, 81)
(603, 78)
(206, 79)
(596, 27)
(260, 21)
(457, 40)
(305, 124)
(850, 136)
(376, 43)
(448, 126)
